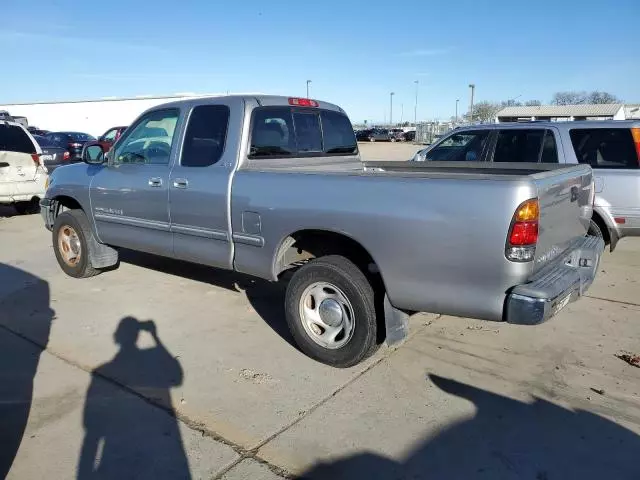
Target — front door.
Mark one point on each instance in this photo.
(129, 195)
(199, 184)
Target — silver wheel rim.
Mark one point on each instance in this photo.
(69, 245)
(326, 315)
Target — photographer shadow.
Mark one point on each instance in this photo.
(125, 437)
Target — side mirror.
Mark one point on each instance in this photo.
(93, 155)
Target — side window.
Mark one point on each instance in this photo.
(272, 132)
(549, 148)
(149, 141)
(206, 135)
(459, 147)
(337, 133)
(308, 132)
(519, 145)
(110, 136)
(605, 147)
(14, 139)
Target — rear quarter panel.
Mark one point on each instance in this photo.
(439, 243)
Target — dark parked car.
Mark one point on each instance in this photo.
(410, 136)
(73, 141)
(37, 131)
(376, 135)
(53, 154)
(397, 134)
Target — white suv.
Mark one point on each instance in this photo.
(23, 176)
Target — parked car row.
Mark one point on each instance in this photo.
(612, 149)
(29, 154)
(385, 135)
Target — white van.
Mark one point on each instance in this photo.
(23, 176)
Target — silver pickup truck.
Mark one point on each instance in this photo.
(274, 187)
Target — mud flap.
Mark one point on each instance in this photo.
(396, 323)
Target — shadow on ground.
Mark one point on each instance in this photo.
(506, 439)
(25, 323)
(7, 211)
(124, 436)
(266, 298)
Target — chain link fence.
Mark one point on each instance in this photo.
(428, 132)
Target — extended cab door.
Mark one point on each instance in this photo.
(200, 183)
(129, 195)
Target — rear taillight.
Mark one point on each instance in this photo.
(523, 234)
(36, 158)
(635, 132)
(65, 156)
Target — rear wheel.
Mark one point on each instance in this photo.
(71, 235)
(331, 313)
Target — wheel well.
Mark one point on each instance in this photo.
(603, 226)
(304, 245)
(65, 203)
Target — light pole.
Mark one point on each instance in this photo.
(457, 100)
(391, 108)
(308, 82)
(472, 86)
(415, 108)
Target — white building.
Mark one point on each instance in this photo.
(90, 116)
(560, 113)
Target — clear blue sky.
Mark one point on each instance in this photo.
(355, 52)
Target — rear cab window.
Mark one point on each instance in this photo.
(14, 139)
(605, 147)
(299, 132)
(533, 145)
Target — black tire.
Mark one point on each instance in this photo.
(594, 230)
(76, 220)
(349, 279)
(27, 208)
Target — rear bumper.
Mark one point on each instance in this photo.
(551, 290)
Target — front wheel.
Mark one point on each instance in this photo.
(71, 236)
(330, 311)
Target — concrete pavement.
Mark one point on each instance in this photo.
(214, 388)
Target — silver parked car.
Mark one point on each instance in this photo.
(611, 148)
(274, 187)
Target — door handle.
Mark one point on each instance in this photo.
(155, 182)
(180, 183)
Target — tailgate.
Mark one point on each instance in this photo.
(17, 167)
(566, 204)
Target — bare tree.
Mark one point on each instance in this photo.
(603, 97)
(533, 103)
(577, 98)
(484, 112)
(570, 98)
